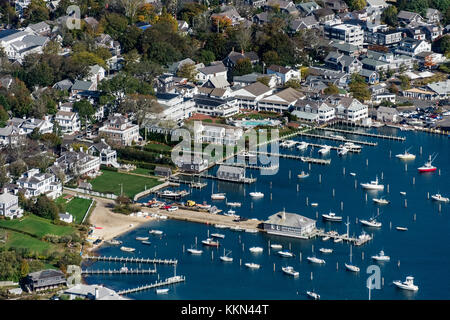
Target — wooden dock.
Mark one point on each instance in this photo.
(316, 145)
(120, 271)
(343, 237)
(250, 166)
(294, 157)
(131, 260)
(210, 176)
(315, 160)
(366, 134)
(318, 136)
(166, 282)
(191, 184)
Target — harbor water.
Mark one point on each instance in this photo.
(422, 251)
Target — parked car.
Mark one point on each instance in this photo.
(173, 208)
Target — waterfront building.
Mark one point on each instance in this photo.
(230, 173)
(163, 171)
(192, 165)
(289, 225)
(217, 134)
(249, 96)
(216, 107)
(45, 280)
(92, 292)
(107, 155)
(387, 114)
(68, 121)
(174, 106)
(280, 101)
(73, 163)
(284, 73)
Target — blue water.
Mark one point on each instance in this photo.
(423, 250)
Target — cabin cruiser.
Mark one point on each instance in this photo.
(256, 194)
(256, 249)
(408, 284)
(217, 235)
(156, 232)
(406, 155)
(373, 185)
(113, 242)
(439, 197)
(324, 150)
(342, 151)
(210, 242)
(162, 291)
(401, 228)
(313, 295)
(351, 146)
(337, 137)
(303, 145)
(302, 175)
(252, 265)
(332, 217)
(326, 250)
(290, 271)
(218, 196)
(316, 260)
(286, 254)
(194, 251)
(141, 238)
(225, 256)
(427, 167)
(276, 246)
(234, 204)
(380, 201)
(371, 223)
(351, 267)
(381, 257)
(127, 249)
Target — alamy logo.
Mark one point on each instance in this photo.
(73, 20)
(75, 277)
(374, 280)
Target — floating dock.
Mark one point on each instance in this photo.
(366, 134)
(120, 271)
(249, 166)
(131, 260)
(344, 237)
(210, 176)
(294, 157)
(318, 136)
(166, 282)
(192, 184)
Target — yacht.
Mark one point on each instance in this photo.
(408, 284)
(428, 167)
(326, 238)
(315, 260)
(256, 194)
(401, 228)
(162, 291)
(349, 266)
(324, 150)
(302, 175)
(141, 238)
(313, 295)
(234, 204)
(290, 271)
(381, 257)
(225, 256)
(332, 217)
(406, 155)
(218, 235)
(337, 136)
(380, 201)
(326, 250)
(127, 249)
(439, 197)
(194, 251)
(371, 223)
(303, 145)
(113, 242)
(210, 242)
(276, 246)
(156, 232)
(256, 249)
(342, 151)
(351, 146)
(218, 196)
(252, 265)
(373, 185)
(286, 254)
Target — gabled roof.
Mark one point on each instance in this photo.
(213, 69)
(407, 15)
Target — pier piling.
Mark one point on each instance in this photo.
(320, 178)
(342, 205)
(333, 193)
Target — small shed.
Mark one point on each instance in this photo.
(163, 171)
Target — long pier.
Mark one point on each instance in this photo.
(366, 134)
(316, 145)
(210, 176)
(168, 281)
(192, 184)
(294, 157)
(120, 271)
(344, 237)
(131, 260)
(318, 136)
(249, 166)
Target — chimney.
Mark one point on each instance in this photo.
(96, 293)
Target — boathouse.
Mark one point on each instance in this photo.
(231, 173)
(44, 280)
(163, 171)
(289, 225)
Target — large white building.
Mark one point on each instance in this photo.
(280, 101)
(348, 33)
(350, 109)
(118, 129)
(73, 163)
(175, 106)
(35, 183)
(17, 44)
(9, 205)
(217, 134)
(68, 121)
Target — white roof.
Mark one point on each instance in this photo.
(7, 197)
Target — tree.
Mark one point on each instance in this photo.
(85, 110)
(45, 208)
(17, 167)
(389, 16)
(3, 117)
(114, 24)
(404, 82)
(141, 106)
(331, 89)
(24, 268)
(206, 56)
(271, 57)
(292, 83)
(221, 23)
(243, 66)
(359, 88)
(131, 7)
(357, 4)
(188, 71)
(264, 80)
(37, 11)
(4, 179)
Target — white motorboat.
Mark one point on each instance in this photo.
(313, 295)
(403, 193)
(194, 251)
(286, 254)
(324, 150)
(332, 217)
(439, 197)
(210, 242)
(236, 228)
(326, 238)
(256, 194)
(231, 212)
(172, 208)
(218, 235)
(225, 256)
(113, 242)
(371, 223)
(303, 145)
(401, 228)
(141, 238)
(342, 151)
(380, 201)
(381, 257)
(276, 246)
(336, 136)
(256, 249)
(162, 291)
(218, 196)
(220, 226)
(234, 204)
(252, 265)
(353, 174)
(251, 230)
(408, 284)
(373, 185)
(156, 232)
(290, 271)
(314, 204)
(326, 250)
(349, 266)
(352, 146)
(406, 155)
(146, 242)
(315, 260)
(337, 240)
(127, 249)
(364, 236)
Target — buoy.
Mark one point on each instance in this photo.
(367, 162)
(414, 180)
(320, 178)
(342, 205)
(306, 200)
(406, 203)
(289, 174)
(333, 193)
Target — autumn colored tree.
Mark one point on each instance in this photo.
(220, 23)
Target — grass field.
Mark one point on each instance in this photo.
(36, 226)
(19, 240)
(78, 208)
(147, 172)
(157, 147)
(109, 182)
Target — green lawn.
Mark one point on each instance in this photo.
(157, 147)
(36, 226)
(109, 182)
(17, 240)
(147, 172)
(78, 208)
